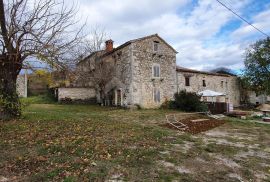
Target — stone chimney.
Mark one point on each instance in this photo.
(109, 45)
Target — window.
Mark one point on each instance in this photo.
(156, 70)
(203, 83)
(221, 84)
(156, 45)
(187, 81)
(156, 95)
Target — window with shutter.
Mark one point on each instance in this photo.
(156, 70)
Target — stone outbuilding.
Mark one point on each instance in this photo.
(197, 81)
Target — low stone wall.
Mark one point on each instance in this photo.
(76, 94)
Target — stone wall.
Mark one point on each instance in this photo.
(258, 99)
(143, 82)
(76, 93)
(224, 84)
(22, 85)
(122, 74)
(120, 60)
(133, 74)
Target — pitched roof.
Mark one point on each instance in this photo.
(139, 39)
(154, 35)
(126, 44)
(182, 69)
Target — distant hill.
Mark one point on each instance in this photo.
(224, 70)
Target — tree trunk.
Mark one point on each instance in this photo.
(102, 98)
(10, 106)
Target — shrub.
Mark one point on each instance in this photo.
(168, 104)
(66, 100)
(187, 101)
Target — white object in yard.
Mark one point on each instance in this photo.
(171, 119)
(210, 93)
(266, 119)
(230, 107)
(243, 117)
(217, 116)
(199, 120)
(258, 114)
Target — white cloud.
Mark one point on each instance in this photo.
(260, 21)
(190, 28)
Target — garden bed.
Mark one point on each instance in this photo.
(195, 125)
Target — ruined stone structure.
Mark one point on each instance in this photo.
(22, 85)
(145, 74)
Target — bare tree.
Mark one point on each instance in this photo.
(92, 70)
(101, 76)
(99, 71)
(45, 29)
(100, 67)
(92, 43)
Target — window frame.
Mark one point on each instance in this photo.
(204, 83)
(153, 70)
(156, 43)
(187, 83)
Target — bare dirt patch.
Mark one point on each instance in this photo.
(196, 125)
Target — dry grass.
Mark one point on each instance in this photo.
(79, 143)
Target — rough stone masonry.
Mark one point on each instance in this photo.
(146, 75)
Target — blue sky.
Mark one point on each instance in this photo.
(205, 34)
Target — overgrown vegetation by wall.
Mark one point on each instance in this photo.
(186, 101)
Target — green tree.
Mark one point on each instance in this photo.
(257, 66)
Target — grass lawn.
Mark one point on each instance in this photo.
(90, 143)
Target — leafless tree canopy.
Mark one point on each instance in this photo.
(91, 68)
(90, 44)
(46, 29)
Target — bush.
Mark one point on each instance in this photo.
(66, 100)
(187, 101)
(168, 104)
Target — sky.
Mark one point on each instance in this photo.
(205, 34)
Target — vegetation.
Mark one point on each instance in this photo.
(257, 67)
(186, 101)
(39, 99)
(54, 142)
(32, 29)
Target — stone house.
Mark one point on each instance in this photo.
(145, 74)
